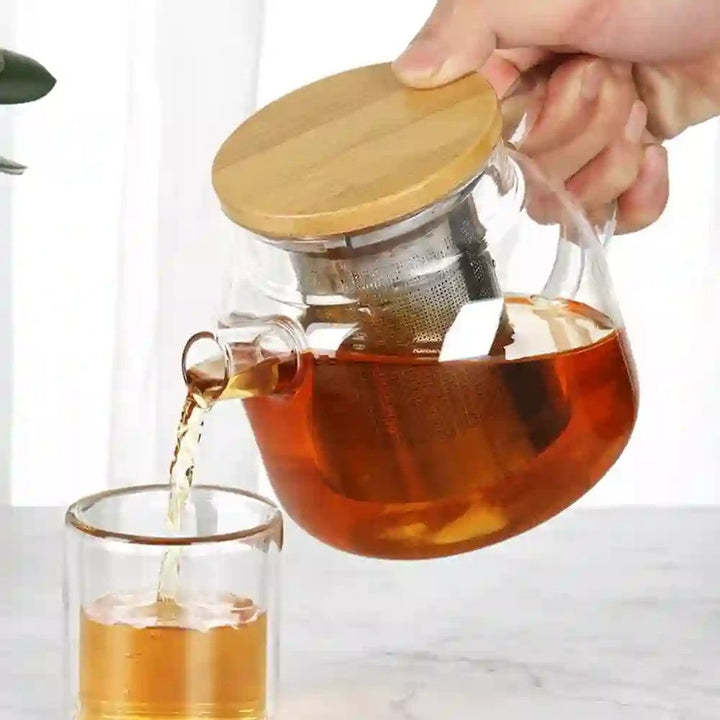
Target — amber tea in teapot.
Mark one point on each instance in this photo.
(403, 457)
(436, 362)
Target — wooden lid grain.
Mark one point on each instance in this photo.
(354, 151)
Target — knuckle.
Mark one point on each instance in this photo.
(669, 99)
(624, 172)
(665, 125)
(618, 185)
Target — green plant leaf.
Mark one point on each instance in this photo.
(11, 168)
(22, 79)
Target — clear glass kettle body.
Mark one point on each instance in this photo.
(437, 384)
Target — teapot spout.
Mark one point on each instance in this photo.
(246, 356)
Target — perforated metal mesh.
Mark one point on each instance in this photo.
(407, 293)
(412, 286)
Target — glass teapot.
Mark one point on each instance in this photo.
(435, 361)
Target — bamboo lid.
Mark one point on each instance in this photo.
(354, 151)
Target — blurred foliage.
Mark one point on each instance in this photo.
(22, 80)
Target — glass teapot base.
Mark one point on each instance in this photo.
(441, 528)
(406, 458)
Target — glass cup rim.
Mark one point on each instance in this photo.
(75, 512)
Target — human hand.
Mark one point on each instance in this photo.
(619, 77)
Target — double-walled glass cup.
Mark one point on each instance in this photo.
(210, 650)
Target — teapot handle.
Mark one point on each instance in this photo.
(606, 230)
(517, 108)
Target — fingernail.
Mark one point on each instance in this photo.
(636, 123)
(592, 80)
(654, 165)
(451, 69)
(421, 60)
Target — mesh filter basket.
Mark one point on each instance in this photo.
(403, 296)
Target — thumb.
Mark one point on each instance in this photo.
(462, 36)
(418, 66)
(451, 44)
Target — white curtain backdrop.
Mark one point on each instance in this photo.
(113, 249)
(117, 247)
(192, 78)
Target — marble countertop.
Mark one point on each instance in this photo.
(599, 615)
